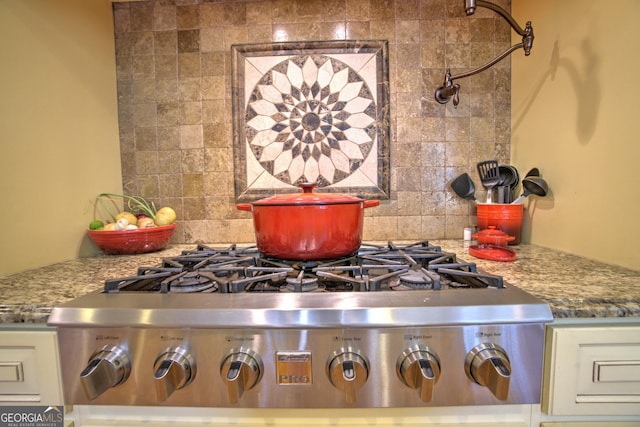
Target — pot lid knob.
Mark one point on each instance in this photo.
(307, 187)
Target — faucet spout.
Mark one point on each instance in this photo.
(448, 90)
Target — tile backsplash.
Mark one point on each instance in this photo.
(174, 102)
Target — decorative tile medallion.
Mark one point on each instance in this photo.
(311, 112)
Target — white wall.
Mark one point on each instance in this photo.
(58, 127)
(575, 116)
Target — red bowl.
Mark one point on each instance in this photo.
(138, 241)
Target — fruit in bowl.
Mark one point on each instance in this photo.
(132, 225)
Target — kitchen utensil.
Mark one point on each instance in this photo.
(138, 241)
(533, 172)
(492, 253)
(308, 225)
(489, 176)
(532, 185)
(464, 187)
(505, 217)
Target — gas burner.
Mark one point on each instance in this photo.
(302, 283)
(415, 279)
(191, 282)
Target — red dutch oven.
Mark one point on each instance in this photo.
(308, 225)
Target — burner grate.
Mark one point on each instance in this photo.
(374, 268)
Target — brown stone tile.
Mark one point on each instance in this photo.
(218, 207)
(408, 31)
(214, 135)
(148, 186)
(213, 63)
(213, 87)
(408, 56)
(164, 18)
(382, 9)
(432, 31)
(211, 15)
(168, 114)
(194, 209)
(358, 30)
(146, 162)
(142, 43)
(189, 89)
(357, 9)
(282, 11)
(141, 16)
(457, 153)
(409, 228)
(258, 12)
(218, 160)
(188, 16)
(144, 114)
(190, 113)
(166, 90)
(166, 67)
(216, 184)
(188, 65)
(168, 138)
(143, 91)
(433, 204)
(165, 42)
(432, 9)
(234, 13)
(145, 139)
(433, 226)
(192, 185)
(171, 185)
(170, 164)
(188, 41)
(235, 35)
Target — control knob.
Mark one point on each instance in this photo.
(241, 370)
(487, 364)
(419, 368)
(348, 370)
(107, 368)
(173, 369)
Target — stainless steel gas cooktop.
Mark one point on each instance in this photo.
(391, 325)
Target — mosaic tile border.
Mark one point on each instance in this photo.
(311, 111)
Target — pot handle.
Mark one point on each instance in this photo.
(244, 207)
(371, 203)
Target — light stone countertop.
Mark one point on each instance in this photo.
(573, 286)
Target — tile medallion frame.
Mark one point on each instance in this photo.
(311, 112)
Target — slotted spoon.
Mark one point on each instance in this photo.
(489, 176)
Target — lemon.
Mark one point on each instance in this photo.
(131, 218)
(165, 216)
(96, 225)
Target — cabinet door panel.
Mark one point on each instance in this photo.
(592, 370)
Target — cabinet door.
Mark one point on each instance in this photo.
(592, 370)
(29, 368)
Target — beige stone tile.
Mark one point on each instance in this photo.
(409, 228)
(190, 136)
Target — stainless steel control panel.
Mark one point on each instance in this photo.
(312, 368)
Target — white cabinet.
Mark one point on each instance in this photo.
(29, 368)
(592, 368)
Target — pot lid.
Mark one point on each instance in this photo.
(492, 252)
(307, 197)
(492, 234)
